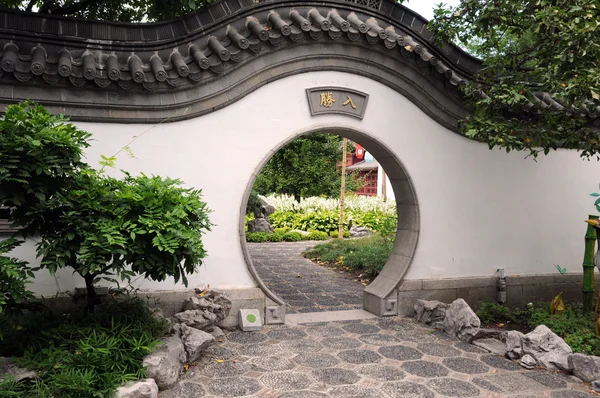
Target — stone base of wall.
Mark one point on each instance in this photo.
(520, 290)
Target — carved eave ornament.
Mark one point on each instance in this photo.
(92, 70)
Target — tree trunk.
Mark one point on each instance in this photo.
(92, 297)
(588, 268)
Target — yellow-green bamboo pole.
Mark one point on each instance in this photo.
(343, 190)
(588, 267)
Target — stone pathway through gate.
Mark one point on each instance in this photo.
(302, 284)
(372, 358)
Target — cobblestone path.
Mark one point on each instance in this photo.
(375, 358)
(303, 285)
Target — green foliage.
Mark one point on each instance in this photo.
(491, 312)
(317, 235)
(39, 157)
(82, 357)
(282, 230)
(110, 10)
(276, 237)
(305, 167)
(293, 236)
(257, 237)
(254, 202)
(368, 253)
(135, 225)
(573, 325)
(335, 234)
(14, 275)
(327, 220)
(529, 47)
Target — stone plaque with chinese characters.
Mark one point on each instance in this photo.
(324, 100)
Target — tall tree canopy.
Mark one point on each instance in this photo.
(305, 167)
(539, 88)
(110, 10)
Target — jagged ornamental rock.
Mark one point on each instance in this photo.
(356, 232)
(7, 367)
(596, 385)
(461, 321)
(165, 364)
(514, 344)
(198, 319)
(429, 312)
(492, 345)
(528, 362)
(547, 348)
(260, 225)
(141, 389)
(195, 342)
(586, 367)
(203, 312)
(216, 332)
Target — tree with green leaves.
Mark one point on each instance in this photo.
(307, 166)
(109, 10)
(539, 86)
(99, 226)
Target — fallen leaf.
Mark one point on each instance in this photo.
(220, 361)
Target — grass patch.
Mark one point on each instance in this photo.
(573, 325)
(79, 356)
(368, 254)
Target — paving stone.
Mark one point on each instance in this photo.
(443, 336)
(499, 362)
(340, 343)
(336, 376)
(316, 360)
(438, 350)
(403, 389)
(425, 369)
(508, 383)
(466, 347)
(417, 336)
(571, 394)
(552, 380)
(286, 381)
(225, 369)
(465, 365)
(303, 394)
(399, 324)
(379, 339)
(233, 386)
(325, 331)
(219, 352)
(355, 392)
(453, 388)
(301, 346)
(259, 350)
(359, 356)
(246, 337)
(184, 389)
(271, 364)
(382, 372)
(361, 328)
(400, 353)
(286, 334)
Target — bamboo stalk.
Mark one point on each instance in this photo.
(343, 190)
(588, 267)
(383, 184)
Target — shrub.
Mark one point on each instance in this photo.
(276, 237)
(257, 237)
(335, 234)
(82, 357)
(292, 236)
(369, 253)
(282, 230)
(491, 312)
(317, 235)
(14, 275)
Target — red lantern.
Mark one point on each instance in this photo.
(360, 151)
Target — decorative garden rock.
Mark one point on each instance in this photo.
(141, 389)
(461, 321)
(528, 362)
(165, 364)
(492, 345)
(547, 348)
(260, 225)
(195, 342)
(596, 385)
(204, 312)
(216, 332)
(356, 232)
(514, 344)
(429, 312)
(586, 367)
(7, 367)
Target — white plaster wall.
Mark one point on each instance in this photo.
(480, 209)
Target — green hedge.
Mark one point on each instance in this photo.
(280, 236)
(327, 221)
